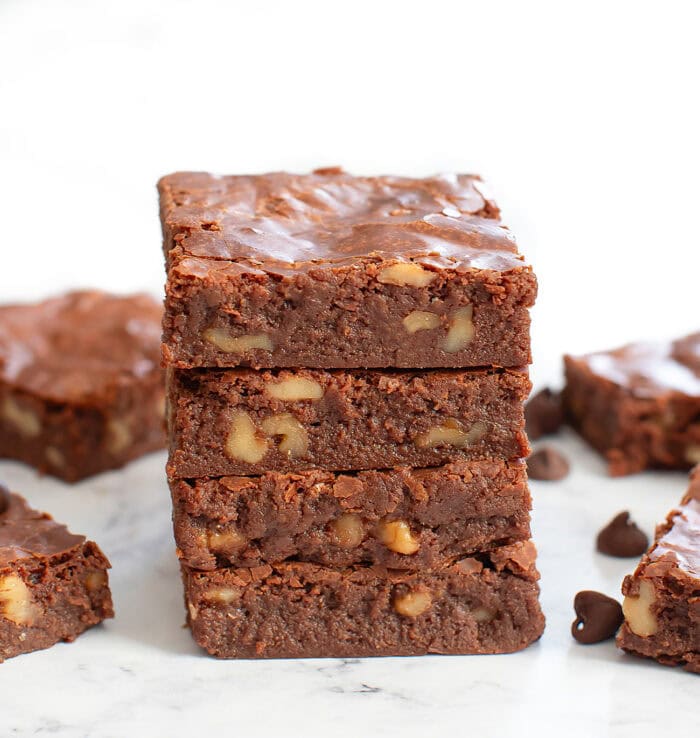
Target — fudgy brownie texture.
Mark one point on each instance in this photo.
(639, 405)
(483, 604)
(334, 271)
(400, 518)
(242, 421)
(53, 584)
(662, 597)
(81, 388)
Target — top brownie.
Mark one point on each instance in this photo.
(328, 270)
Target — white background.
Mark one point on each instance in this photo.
(583, 116)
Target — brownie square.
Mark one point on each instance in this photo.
(333, 271)
(639, 405)
(242, 421)
(482, 604)
(53, 584)
(81, 389)
(662, 597)
(399, 518)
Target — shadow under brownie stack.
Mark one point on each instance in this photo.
(347, 373)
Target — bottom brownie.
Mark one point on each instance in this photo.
(482, 604)
(662, 597)
(53, 584)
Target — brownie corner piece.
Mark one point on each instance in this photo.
(53, 584)
(662, 597)
(638, 405)
(280, 270)
(81, 388)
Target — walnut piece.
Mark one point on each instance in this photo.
(222, 595)
(295, 441)
(118, 436)
(224, 341)
(450, 433)
(461, 330)
(406, 274)
(483, 615)
(692, 454)
(242, 443)
(226, 541)
(293, 389)
(96, 580)
(347, 531)
(419, 320)
(16, 601)
(413, 603)
(55, 457)
(637, 610)
(396, 536)
(24, 420)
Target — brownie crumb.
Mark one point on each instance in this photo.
(544, 414)
(622, 538)
(547, 465)
(598, 617)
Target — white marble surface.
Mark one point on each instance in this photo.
(141, 675)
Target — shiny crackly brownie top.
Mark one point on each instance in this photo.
(79, 346)
(26, 533)
(681, 536)
(651, 369)
(280, 222)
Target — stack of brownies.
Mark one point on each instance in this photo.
(347, 372)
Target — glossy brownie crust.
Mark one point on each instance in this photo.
(81, 389)
(400, 518)
(53, 584)
(306, 264)
(638, 405)
(486, 604)
(357, 420)
(662, 597)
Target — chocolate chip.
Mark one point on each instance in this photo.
(622, 538)
(597, 617)
(4, 498)
(547, 464)
(543, 414)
